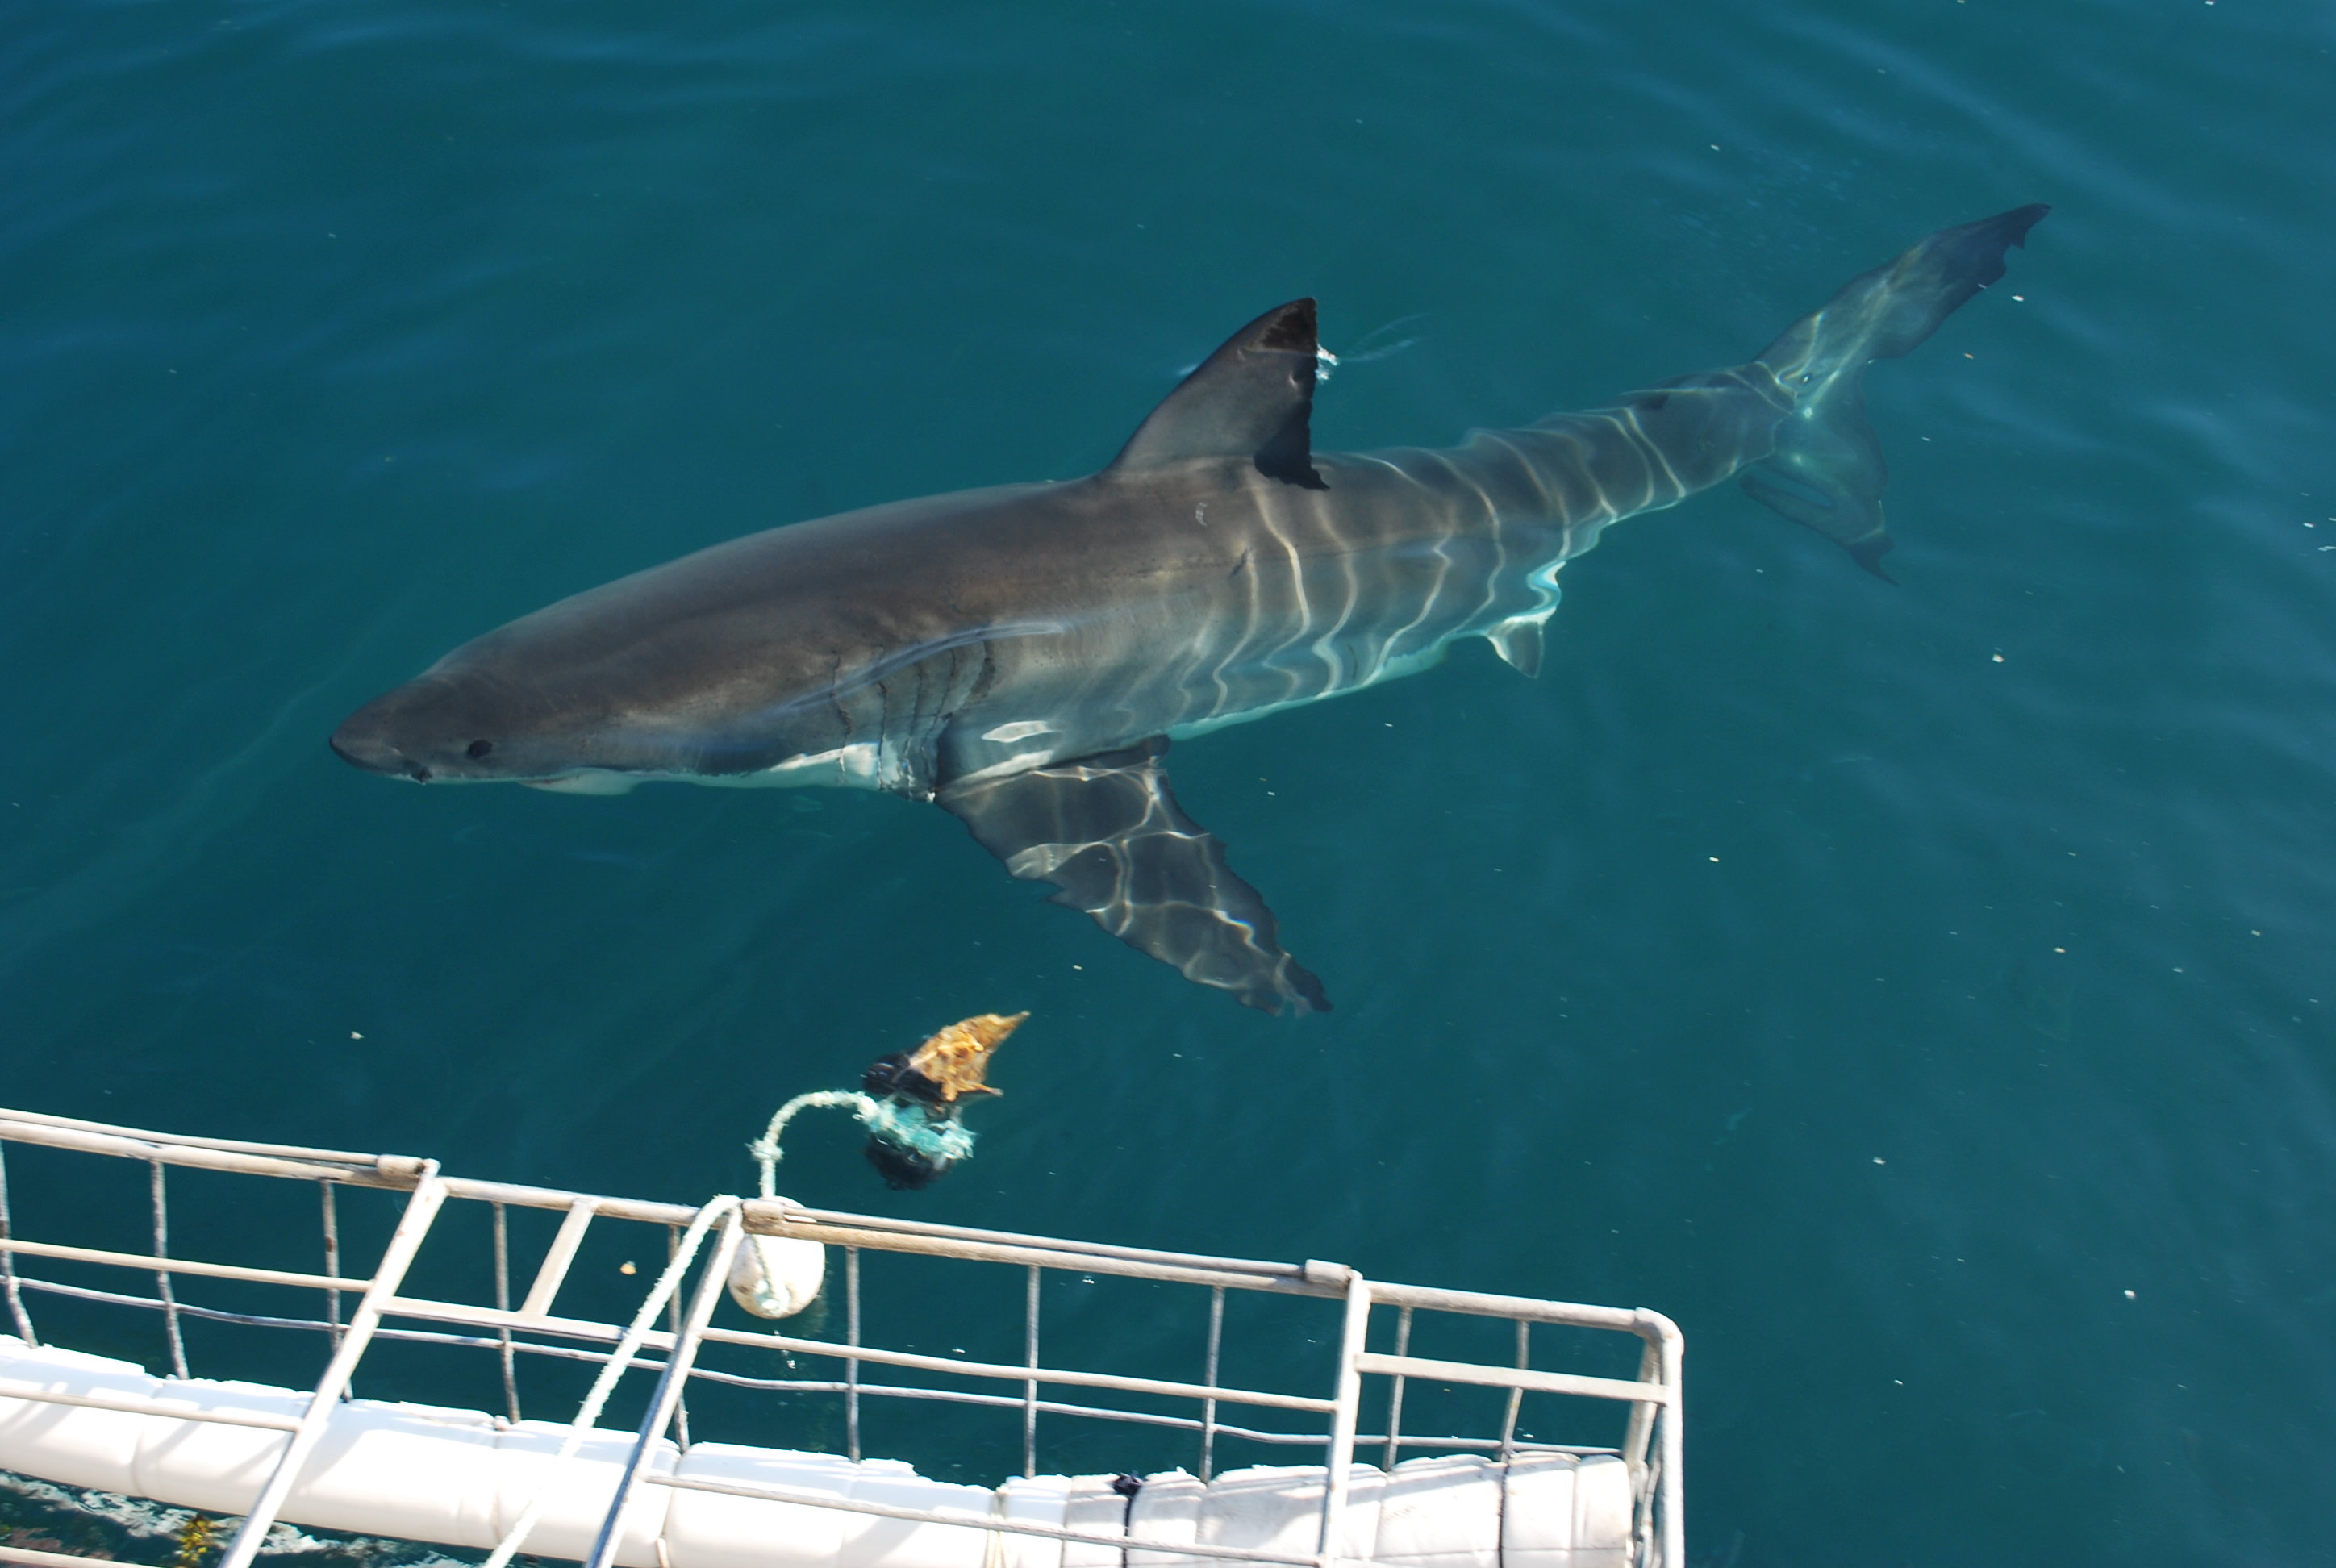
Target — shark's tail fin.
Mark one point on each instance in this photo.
(1826, 471)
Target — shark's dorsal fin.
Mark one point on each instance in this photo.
(1252, 398)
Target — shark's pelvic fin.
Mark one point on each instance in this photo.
(1107, 832)
(1253, 398)
(1518, 642)
(1826, 472)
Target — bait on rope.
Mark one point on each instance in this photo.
(909, 1101)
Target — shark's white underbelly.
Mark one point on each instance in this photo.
(857, 766)
(1206, 689)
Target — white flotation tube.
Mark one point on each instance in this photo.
(461, 1478)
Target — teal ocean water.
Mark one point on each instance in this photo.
(1923, 994)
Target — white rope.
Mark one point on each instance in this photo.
(627, 1349)
(8, 1264)
(765, 1149)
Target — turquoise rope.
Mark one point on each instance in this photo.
(908, 1125)
(912, 1127)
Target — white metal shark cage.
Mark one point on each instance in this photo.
(1469, 1484)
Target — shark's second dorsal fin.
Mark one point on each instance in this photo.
(1252, 398)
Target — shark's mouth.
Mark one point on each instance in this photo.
(860, 766)
(586, 784)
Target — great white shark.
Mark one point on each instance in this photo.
(1023, 655)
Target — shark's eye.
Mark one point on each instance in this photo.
(478, 748)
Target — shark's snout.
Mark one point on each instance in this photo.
(440, 728)
(361, 745)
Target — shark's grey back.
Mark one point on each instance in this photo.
(1024, 656)
(1303, 576)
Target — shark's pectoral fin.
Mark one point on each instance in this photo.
(1107, 832)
